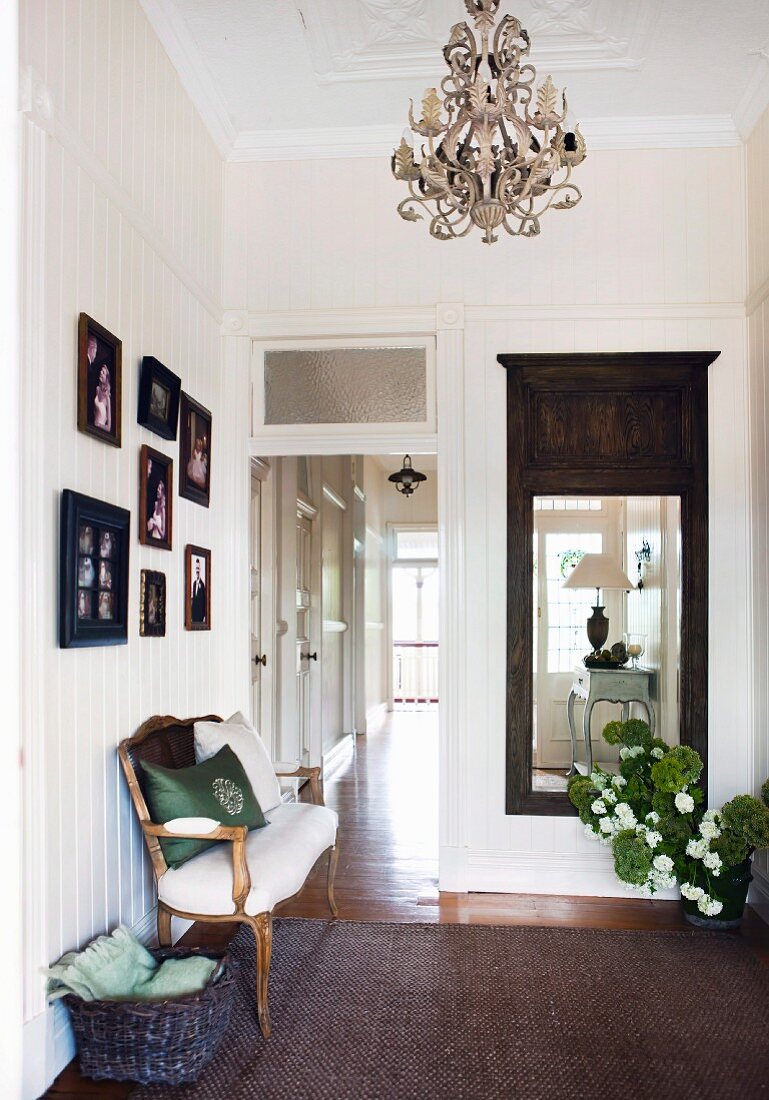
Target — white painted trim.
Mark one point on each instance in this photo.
(575, 874)
(376, 716)
(334, 497)
(757, 298)
(192, 70)
(332, 758)
(755, 98)
(260, 468)
(358, 443)
(37, 104)
(349, 142)
(335, 626)
(370, 625)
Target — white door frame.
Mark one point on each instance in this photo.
(442, 330)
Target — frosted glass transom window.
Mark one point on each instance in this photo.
(416, 545)
(346, 386)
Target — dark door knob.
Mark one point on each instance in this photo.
(261, 660)
(309, 656)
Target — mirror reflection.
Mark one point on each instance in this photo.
(606, 630)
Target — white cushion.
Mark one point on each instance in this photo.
(245, 742)
(280, 856)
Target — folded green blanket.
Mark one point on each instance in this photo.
(119, 968)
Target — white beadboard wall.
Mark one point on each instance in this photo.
(757, 156)
(652, 259)
(123, 191)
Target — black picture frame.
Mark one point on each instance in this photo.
(197, 606)
(155, 467)
(94, 552)
(152, 604)
(195, 423)
(98, 349)
(154, 379)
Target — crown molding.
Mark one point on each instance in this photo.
(192, 70)
(755, 98)
(664, 132)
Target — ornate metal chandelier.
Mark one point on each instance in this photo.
(497, 155)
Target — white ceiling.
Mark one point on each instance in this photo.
(283, 78)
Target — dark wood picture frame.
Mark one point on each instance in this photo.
(93, 572)
(148, 485)
(191, 612)
(188, 455)
(154, 374)
(108, 352)
(620, 424)
(152, 625)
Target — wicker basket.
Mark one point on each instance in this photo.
(154, 1041)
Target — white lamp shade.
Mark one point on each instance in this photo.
(598, 571)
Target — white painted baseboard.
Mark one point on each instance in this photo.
(336, 754)
(376, 717)
(499, 872)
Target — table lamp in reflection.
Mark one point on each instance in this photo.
(598, 571)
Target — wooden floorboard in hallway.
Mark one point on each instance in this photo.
(386, 794)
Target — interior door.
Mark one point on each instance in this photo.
(258, 655)
(561, 538)
(304, 657)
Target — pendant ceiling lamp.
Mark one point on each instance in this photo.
(407, 480)
(495, 152)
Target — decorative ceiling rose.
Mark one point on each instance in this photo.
(485, 165)
(407, 480)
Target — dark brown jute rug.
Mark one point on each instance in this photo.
(419, 1011)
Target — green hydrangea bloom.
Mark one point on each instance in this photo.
(748, 819)
(580, 791)
(731, 848)
(636, 732)
(612, 733)
(632, 857)
(658, 743)
(677, 769)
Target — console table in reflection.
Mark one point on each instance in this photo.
(606, 685)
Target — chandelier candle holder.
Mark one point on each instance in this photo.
(498, 154)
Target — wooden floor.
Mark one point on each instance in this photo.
(386, 794)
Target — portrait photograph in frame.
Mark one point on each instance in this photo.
(93, 572)
(159, 392)
(99, 381)
(197, 588)
(152, 606)
(156, 490)
(194, 451)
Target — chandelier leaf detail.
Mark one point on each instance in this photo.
(498, 151)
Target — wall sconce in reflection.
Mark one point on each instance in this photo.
(407, 479)
(643, 557)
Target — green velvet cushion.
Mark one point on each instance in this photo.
(218, 788)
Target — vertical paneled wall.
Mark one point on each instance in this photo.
(758, 434)
(123, 220)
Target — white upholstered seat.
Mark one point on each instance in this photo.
(280, 856)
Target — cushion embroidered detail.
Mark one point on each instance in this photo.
(228, 795)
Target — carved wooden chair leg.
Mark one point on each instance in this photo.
(164, 926)
(262, 927)
(333, 857)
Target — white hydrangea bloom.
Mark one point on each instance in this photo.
(606, 825)
(696, 848)
(662, 881)
(663, 864)
(618, 781)
(653, 838)
(598, 779)
(709, 906)
(691, 893)
(590, 833)
(709, 830)
(712, 861)
(684, 802)
(653, 817)
(627, 754)
(625, 816)
(609, 797)
(598, 807)
(657, 753)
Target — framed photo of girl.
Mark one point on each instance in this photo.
(197, 588)
(195, 452)
(99, 381)
(156, 474)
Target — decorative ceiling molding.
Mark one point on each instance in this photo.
(359, 40)
(672, 132)
(193, 72)
(755, 98)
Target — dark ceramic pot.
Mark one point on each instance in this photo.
(732, 889)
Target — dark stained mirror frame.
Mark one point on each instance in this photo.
(624, 424)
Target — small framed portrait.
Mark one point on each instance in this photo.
(93, 572)
(195, 452)
(152, 609)
(159, 391)
(99, 381)
(197, 583)
(156, 473)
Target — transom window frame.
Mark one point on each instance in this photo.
(290, 438)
